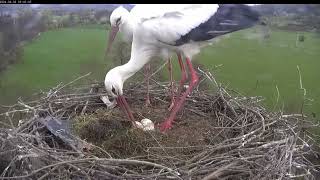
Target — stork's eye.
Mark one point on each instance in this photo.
(118, 20)
(113, 90)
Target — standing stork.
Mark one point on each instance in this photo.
(161, 29)
(120, 20)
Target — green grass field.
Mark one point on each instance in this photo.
(255, 67)
(249, 65)
(54, 57)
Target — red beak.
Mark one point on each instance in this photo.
(112, 34)
(125, 107)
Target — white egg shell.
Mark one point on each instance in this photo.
(145, 125)
(107, 102)
(148, 125)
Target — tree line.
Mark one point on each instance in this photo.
(296, 17)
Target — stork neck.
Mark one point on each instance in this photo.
(127, 70)
(132, 66)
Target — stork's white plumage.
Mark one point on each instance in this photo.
(160, 29)
(120, 20)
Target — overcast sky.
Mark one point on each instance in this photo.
(34, 5)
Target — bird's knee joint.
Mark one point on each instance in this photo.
(195, 80)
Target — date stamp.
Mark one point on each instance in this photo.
(15, 1)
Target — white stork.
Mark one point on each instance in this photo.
(120, 22)
(159, 30)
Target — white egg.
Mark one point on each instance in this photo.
(147, 124)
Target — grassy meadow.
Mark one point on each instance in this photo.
(248, 64)
(54, 57)
(257, 67)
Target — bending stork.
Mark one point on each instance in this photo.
(159, 30)
(120, 20)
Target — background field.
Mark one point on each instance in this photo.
(254, 66)
(247, 63)
(54, 57)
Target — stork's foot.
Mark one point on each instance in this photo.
(166, 125)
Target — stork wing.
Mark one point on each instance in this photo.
(167, 23)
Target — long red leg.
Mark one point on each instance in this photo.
(183, 74)
(167, 124)
(171, 83)
(147, 68)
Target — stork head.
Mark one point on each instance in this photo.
(117, 18)
(113, 83)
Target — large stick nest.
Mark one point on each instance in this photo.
(69, 133)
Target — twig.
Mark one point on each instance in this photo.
(86, 104)
(218, 172)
